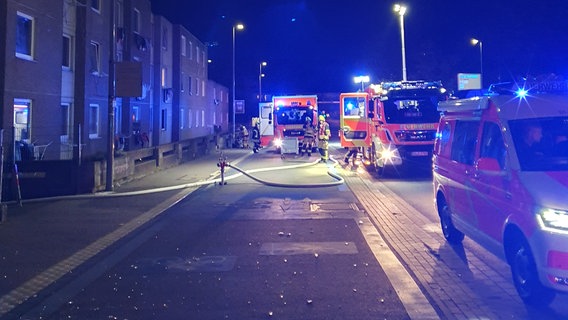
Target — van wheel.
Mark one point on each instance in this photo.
(450, 232)
(525, 277)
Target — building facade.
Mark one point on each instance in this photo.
(61, 61)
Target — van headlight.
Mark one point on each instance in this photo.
(278, 142)
(553, 219)
(388, 154)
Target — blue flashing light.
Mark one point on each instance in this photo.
(521, 93)
(350, 106)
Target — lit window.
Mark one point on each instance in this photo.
(164, 74)
(181, 118)
(25, 36)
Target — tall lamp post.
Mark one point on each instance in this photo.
(235, 27)
(260, 75)
(401, 10)
(362, 80)
(474, 42)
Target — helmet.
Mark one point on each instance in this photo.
(321, 118)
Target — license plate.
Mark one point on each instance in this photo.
(419, 153)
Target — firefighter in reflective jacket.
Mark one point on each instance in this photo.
(323, 138)
(309, 137)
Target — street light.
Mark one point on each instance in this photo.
(362, 80)
(235, 27)
(401, 10)
(474, 42)
(260, 75)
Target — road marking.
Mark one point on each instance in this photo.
(416, 304)
(33, 286)
(295, 248)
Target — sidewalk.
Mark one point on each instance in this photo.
(38, 237)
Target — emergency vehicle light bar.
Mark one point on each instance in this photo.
(530, 87)
(411, 85)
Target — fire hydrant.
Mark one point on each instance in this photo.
(222, 164)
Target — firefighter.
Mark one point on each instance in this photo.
(245, 135)
(256, 137)
(309, 135)
(352, 152)
(323, 138)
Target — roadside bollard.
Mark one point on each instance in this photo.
(222, 164)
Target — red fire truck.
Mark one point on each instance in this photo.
(282, 121)
(393, 123)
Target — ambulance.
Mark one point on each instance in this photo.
(500, 176)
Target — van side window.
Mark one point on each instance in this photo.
(465, 141)
(443, 142)
(492, 145)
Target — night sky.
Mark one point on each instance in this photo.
(318, 46)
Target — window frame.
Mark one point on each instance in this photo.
(94, 122)
(30, 38)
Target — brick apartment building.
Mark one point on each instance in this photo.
(58, 59)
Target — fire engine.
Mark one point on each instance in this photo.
(393, 123)
(282, 121)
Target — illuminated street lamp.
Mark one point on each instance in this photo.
(401, 10)
(362, 80)
(260, 75)
(235, 27)
(474, 42)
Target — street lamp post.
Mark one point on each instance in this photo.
(475, 42)
(235, 27)
(260, 75)
(401, 10)
(362, 80)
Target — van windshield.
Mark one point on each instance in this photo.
(541, 143)
(412, 110)
(294, 115)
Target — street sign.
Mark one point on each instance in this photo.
(239, 106)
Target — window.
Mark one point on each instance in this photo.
(181, 82)
(24, 36)
(65, 120)
(189, 86)
(189, 119)
(135, 114)
(183, 45)
(165, 38)
(117, 119)
(492, 145)
(164, 74)
(96, 5)
(95, 58)
(136, 24)
(94, 121)
(465, 141)
(203, 88)
(181, 118)
(22, 119)
(197, 53)
(190, 50)
(197, 118)
(203, 118)
(67, 52)
(163, 120)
